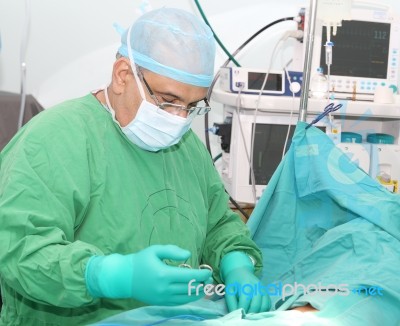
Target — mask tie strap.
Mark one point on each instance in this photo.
(110, 108)
(133, 65)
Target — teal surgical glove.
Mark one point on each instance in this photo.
(145, 277)
(241, 285)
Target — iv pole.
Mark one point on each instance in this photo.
(308, 61)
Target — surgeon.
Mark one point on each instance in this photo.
(103, 197)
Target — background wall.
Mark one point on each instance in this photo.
(72, 44)
(64, 31)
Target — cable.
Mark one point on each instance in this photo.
(238, 207)
(24, 44)
(255, 35)
(216, 158)
(210, 89)
(230, 58)
(241, 48)
(215, 35)
(283, 38)
(207, 136)
(291, 114)
(248, 153)
(258, 105)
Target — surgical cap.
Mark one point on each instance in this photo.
(172, 43)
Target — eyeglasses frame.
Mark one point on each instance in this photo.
(180, 107)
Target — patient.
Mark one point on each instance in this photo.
(323, 220)
(306, 308)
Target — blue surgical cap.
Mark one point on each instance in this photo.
(172, 43)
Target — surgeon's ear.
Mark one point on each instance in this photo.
(121, 75)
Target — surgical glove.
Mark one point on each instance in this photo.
(145, 277)
(241, 285)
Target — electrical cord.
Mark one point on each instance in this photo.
(253, 183)
(291, 114)
(210, 89)
(216, 158)
(240, 209)
(24, 45)
(215, 35)
(230, 58)
(206, 134)
(240, 48)
(284, 37)
(248, 153)
(255, 35)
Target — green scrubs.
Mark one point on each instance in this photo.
(72, 186)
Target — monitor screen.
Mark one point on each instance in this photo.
(269, 141)
(361, 49)
(256, 80)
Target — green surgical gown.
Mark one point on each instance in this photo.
(72, 186)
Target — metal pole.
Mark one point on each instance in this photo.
(308, 60)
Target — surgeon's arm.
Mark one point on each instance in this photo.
(229, 235)
(226, 232)
(42, 201)
(231, 251)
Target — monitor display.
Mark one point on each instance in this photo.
(361, 49)
(269, 141)
(365, 54)
(256, 80)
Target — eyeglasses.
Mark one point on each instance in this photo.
(192, 109)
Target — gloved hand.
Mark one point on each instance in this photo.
(237, 272)
(145, 277)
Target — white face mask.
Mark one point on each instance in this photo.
(153, 128)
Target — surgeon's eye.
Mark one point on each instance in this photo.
(167, 99)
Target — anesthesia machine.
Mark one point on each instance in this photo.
(347, 54)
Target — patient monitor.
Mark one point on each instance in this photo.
(366, 51)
